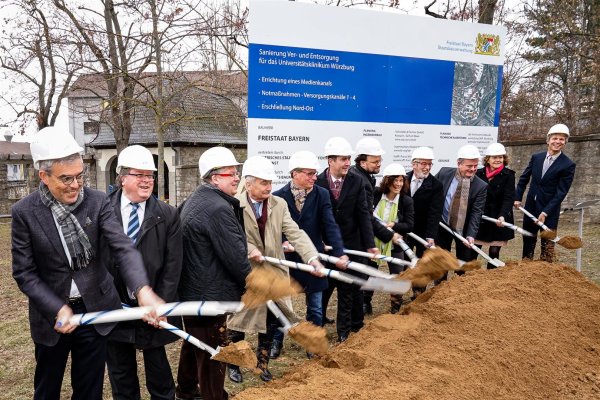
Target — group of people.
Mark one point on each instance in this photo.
(76, 249)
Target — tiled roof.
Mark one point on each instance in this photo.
(199, 117)
(14, 149)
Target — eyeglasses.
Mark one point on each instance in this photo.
(424, 164)
(230, 174)
(67, 180)
(141, 177)
(309, 174)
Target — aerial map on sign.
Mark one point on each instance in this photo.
(474, 94)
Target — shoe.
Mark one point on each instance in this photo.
(328, 321)
(235, 375)
(265, 375)
(310, 355)
(394, 308)
(342, 337)
(367, 309)
(275, 349)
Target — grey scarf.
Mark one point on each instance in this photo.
(77, 241)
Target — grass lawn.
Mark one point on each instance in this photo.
(16, 347)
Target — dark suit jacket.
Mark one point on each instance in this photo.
(41, 267)
(369, 183)
(159, 242)
(351, 212)
(316, 219)
(498, 203)
(545, 194)
(429, 203)
(476, 204)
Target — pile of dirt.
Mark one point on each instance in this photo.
(267, 283)
(529, 330)
(239, 353)
(313, 338)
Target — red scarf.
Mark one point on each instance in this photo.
(491, 174)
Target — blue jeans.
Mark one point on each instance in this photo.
(314, 312)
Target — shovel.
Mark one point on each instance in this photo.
(384, 285)
(464, 265)
(313, 338)
(569, 242)
(509, 226)
(245, 357)
(358, 267)
(493, 261)
(402, 244)
(372, 256)
(189, 308)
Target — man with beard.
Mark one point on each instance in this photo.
(428, 198)
(367, 164)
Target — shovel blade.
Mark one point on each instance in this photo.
(387, 285)
(497, 263)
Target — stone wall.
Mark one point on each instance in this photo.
(585, 152)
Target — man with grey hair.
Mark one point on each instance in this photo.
(56, 234)
(215, 266)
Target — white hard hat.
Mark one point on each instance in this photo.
(559, 128)
(369, 146)
(495, 149)
(425, 153)
(52, 143)
(394, 170)
(303, 159)
(338, 146)
(137, 157)
(216, 157)
(259, 167)
(468, 152)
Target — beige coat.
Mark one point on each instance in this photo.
(279, 222)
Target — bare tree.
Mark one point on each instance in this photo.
(37, 57)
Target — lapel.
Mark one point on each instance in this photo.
(151, 218)
(48, 225)
(552, 166)
(450, 172)
(346, 187)
(247, 207)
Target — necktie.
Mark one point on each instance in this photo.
(133, 227)
(258, 209)
(547, 164)
(455, 206)
(337, 184)
(416, 184)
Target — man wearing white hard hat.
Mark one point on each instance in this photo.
(367, 163)
(153, 226)
(498, 202)
(215, 266)
(57, 262)
(550, 173)
(266, 220)
(310, 208)
(353, 216)
(464, 200)
(428, 198)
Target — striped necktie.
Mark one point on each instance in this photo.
(133, 228)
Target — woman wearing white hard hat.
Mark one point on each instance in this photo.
(394, 206)
(499, 200)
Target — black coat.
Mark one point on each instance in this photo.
(316, 219)
(159, 243)
(428, 201)
(498, 203)
(369, 183)
(351, 212)
(405, 215)
(215, 251)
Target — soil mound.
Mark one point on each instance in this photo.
(529, 330)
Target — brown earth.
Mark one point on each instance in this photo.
(239, 353)
(570, 242)
(433, 265)
(313, 338)
(266, 283)
(530, 330)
